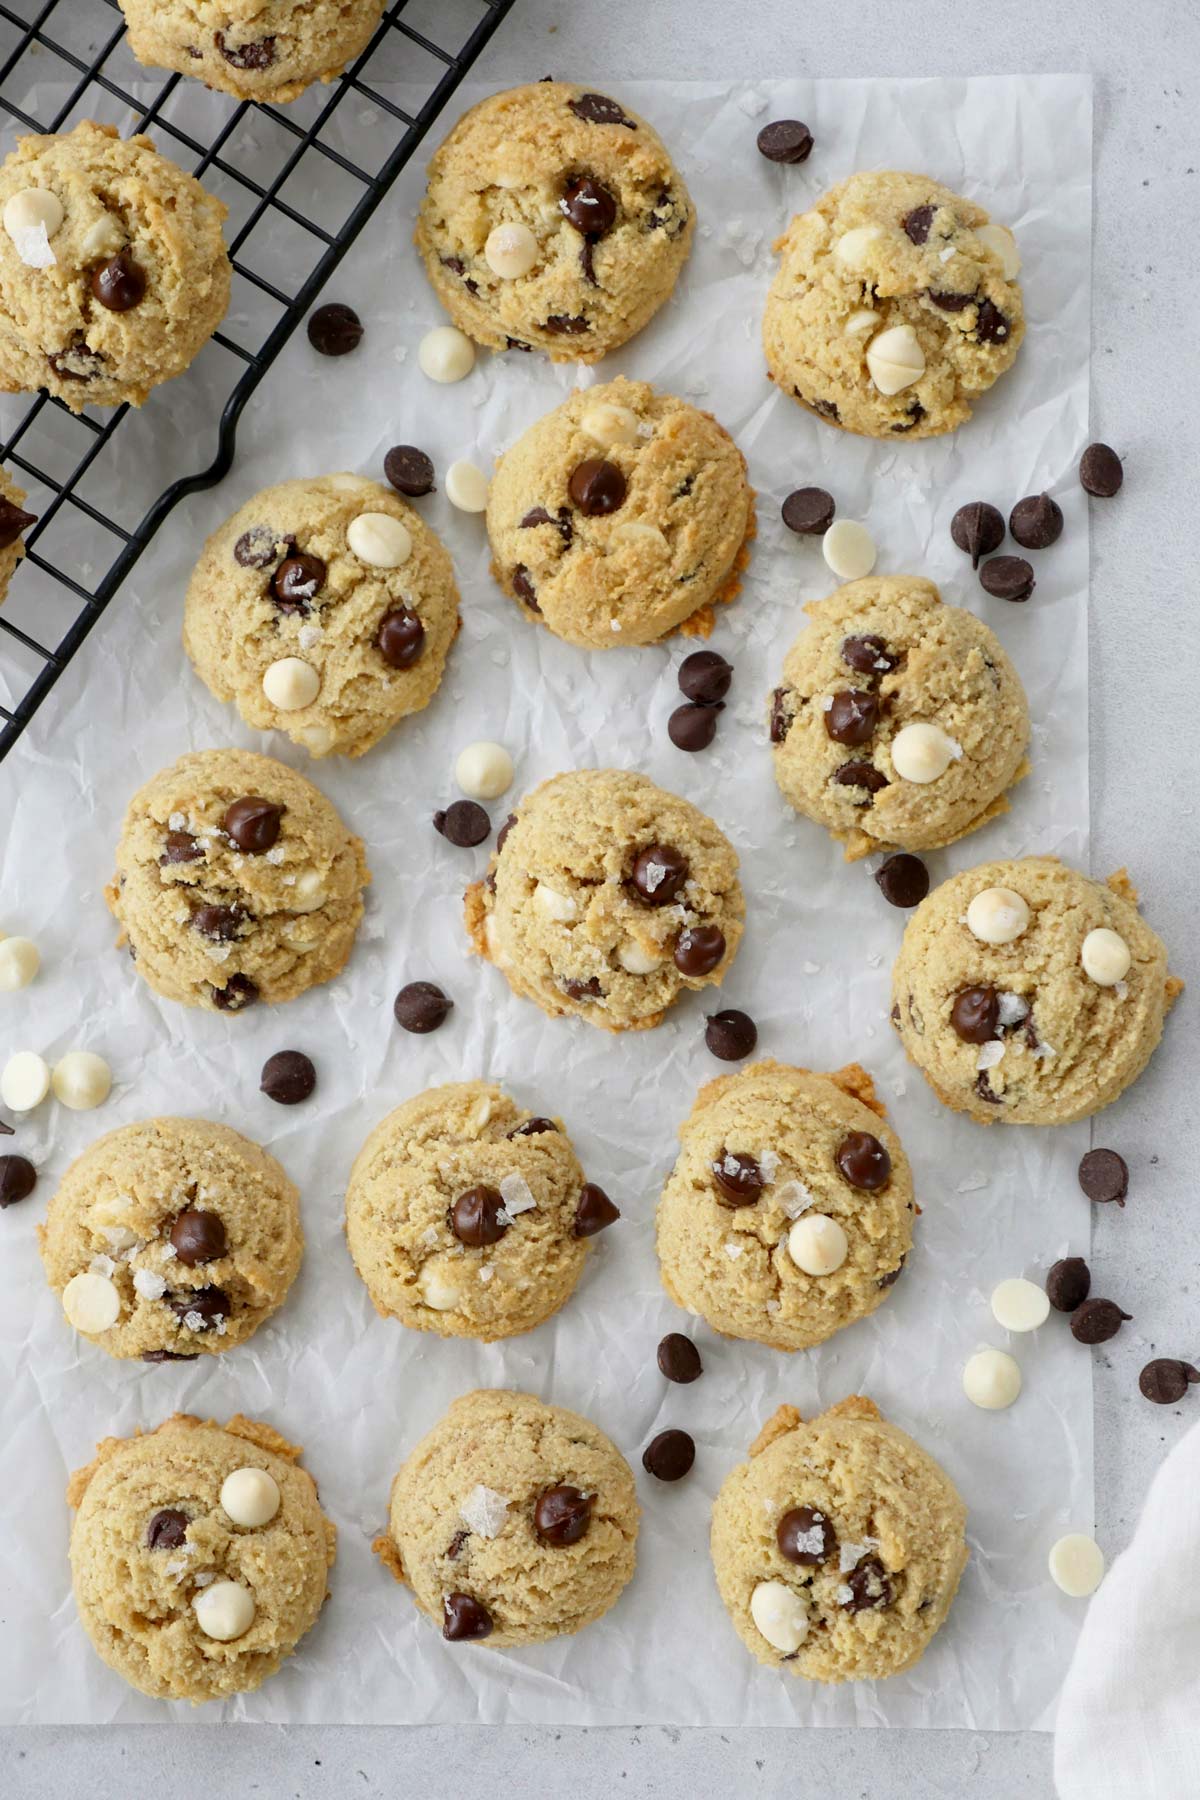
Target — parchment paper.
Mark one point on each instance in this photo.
(358, 1390)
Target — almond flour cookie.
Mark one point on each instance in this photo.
(13, 521)
(468, 1216)
(839, 1546)
(113, 271)
(267, 50)
(324, 608)
(512, 1521)
(621, 516)
(895, 306)
(171, 1238)
(789, 1212)
(607, 898)
(199, 1554)
(236, 881)
(553, 219)
(1027, 993)
(900, 721)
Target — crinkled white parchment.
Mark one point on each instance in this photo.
(356, 1390)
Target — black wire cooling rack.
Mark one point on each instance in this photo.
(52, 74)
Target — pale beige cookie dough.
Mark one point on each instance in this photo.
(113, 271)
(838, 1546)
(199, 1554)
(553, 219)
(622, 515)
(324, 608)
(512, 1521)
(789, 1212)
(236, 882)
(170, 1238)
(888, 668)
(607, 898)
(266, 50)
(1029, 994)
(895, 306)
(14, 520)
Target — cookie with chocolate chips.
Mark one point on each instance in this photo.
(269, 51)
(553, 219)
(14, 522)
(607, 899)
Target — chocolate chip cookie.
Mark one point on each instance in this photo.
(14, 520)
(267, 50)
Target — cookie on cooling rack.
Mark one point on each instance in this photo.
(257, 49)
(14, 521)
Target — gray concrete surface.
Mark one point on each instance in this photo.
(1146, 61)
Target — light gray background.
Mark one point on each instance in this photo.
(1146, 61)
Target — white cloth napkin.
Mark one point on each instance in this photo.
(1129, 1716)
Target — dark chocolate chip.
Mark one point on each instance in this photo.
(598, 109)
(257, 548)
(510, 343)
(780, 717)
(785, 141)
(454, 1547)
(870, 1588)
(903, 879)
(739, 1178)
(533, 1128)
(698, 950)
(252, 823)
(852, 717)
(977, 529)
(1036, 522)
(566, 324)
(1164, 1380)
(502, 834)
(669, 1456)
(181, 847)
(594, 1211)
(409, 470)
(1097, 1320)
(464, 1618)
(459, 267)
(478, 1217)
(18, 1178)
(589, 206)
(561, 522)
(597, 487)
(918, 223)
(809, 511)
(985, 1090)
(297, 582)
(209, 1304)
(334, 329)
(253, 57)
(400, 638)
(824, 409)
(679, 1359)
(1007, 578)
(586, 263)
(659, 873)
(704, 677)
(523, 587)
(863, 1161)
(805, 1536)
(13, 521)
(975, 1014)
(167, 1529)
(1067, 1283)
(238, 993)
(562, 1515)
(76, 361)
(421, 1007)
(166, 1356)
(1103, 1175)
(119, 284)
(693, 727)
(198, 1237)
(1100, 471)
(892, 1276)
(464, 824)
(991, 326)
(583, 990)
(949, 302)
(221, 923)
(868, 655)
(861, 775)
(730, 1034)
(288, 1077)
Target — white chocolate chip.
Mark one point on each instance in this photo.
(895, 359)
(997, 915)
(780, 1615)
(921, 752)
(1076, 1564)
(291, 684)
(31, 218)
(19, 963)
(379, 540)
(437, 1289)
(250, 1497)
(860, 322)
(25, 1081)
(1001, 242)
(849, 549)
(608, 424)
(104, 238)
(1020, 1305)
(1105, 957)
(484, 770)
(854, 249)
(224, 1611)
(991, 1379)
(91, 1302)
(309, 893)
(553, 905)
(817, 1244)
(637, 961)
(638, 531)
(484, 1511)
(510, 251)
(446, 354)
(466, 487)
(81, 1080)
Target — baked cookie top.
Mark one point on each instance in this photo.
(267, 50)
(199, 1555)
(607, 898)
(553, 219)
(1027, 993)
(113, 270)
(236, 881)
(894, 307)
(620, 516)
(172, 1238)
(899, 721)
(513, 1521)
(789, 1212)
(838, 1546)
(467, 1215)
(324, 608)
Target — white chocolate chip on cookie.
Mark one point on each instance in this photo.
(291, 684)
(250, 1497)
(224, 1611)
(817, 1244)
(780, 1615)
(922, 752)
(1105, 957)
(510, 251)
(895, 359)
(379, 540)
(91, 1302)
(997, 915)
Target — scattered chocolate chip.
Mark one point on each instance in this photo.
(870, 1589)
(252, 823)
(780, 717)
(421, 1007)
(918, 222)
(297, 582)
(679, 1359)
(238, 993)
(76, 361)
(538, 515)
(533, 1128)
(598, 109)
(13, 521)
(454, 1547)
(1007, 578)
(510, 343)
(464, 1618)
(523, 587)
(659, 873)
(805, 1536)
(853, 716)
(698, 950)
(198, 1237)
(409, 470)
(586, 263)
(253, 57)
(566, 324)
(119, 284)
(991, 326)
(693, 727)
(478, 1217)
(1097, 1320)
(868, 655)
(181, 847)
(334, 329)
(502, 834)
(400, 638)
(594, 1212)
(704, 677)
(597, 487)
(863, 1161)
(583, 990)
(464, 824)
(1067, 1283)
(18, 1178)
(669, 1456)
(165, 1356)
(1100, 474)
(785, 141)
(975, 1014)
(1164, 1380)
(861, 775)
(824, 409)
(287, 1077)
(221, 923)
(730, 1034)
(257, 548)
(892, 1276)
(167, 1529)
(459, 267)
(809, 511)
(739, 1178)
(985, 1090)
(562, 1515)
(1103, 1175)
(209, 1304)
(903, 879)
(589, 206)
(977, 529)
(914, 413)
(1036, 522)
(949, 302)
